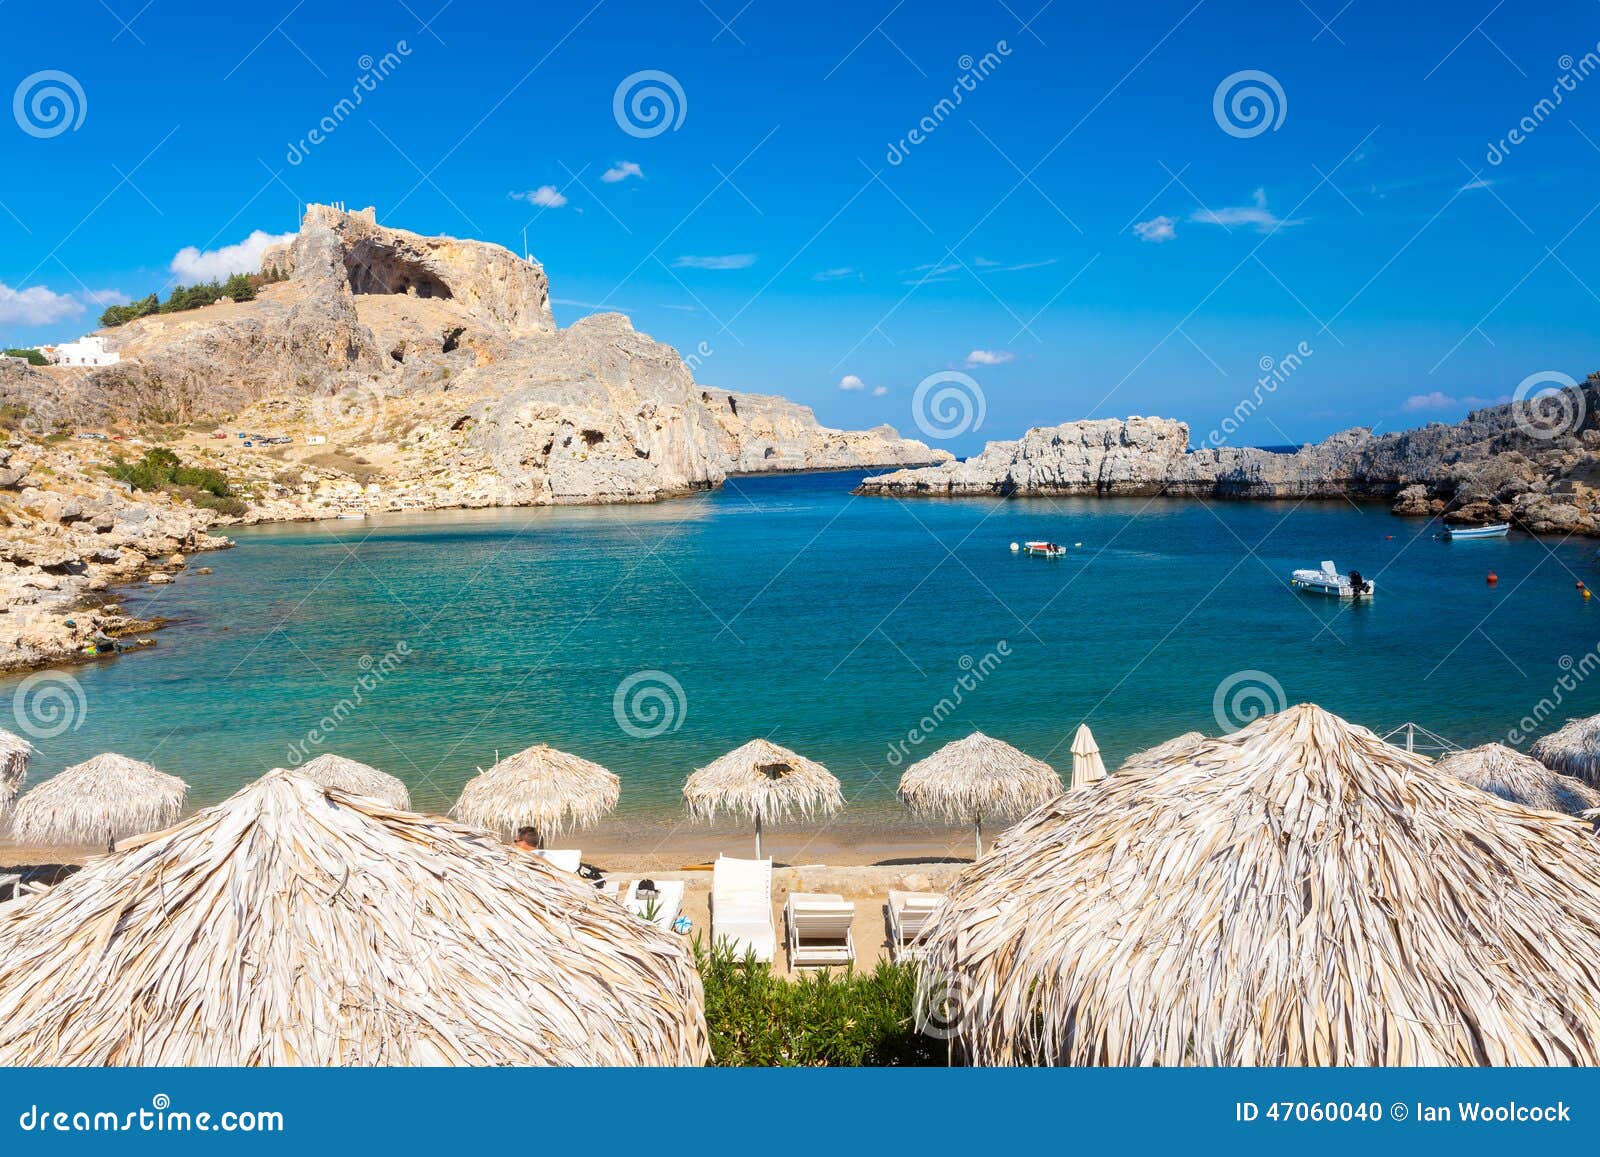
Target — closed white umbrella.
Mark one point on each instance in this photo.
(1087, 766)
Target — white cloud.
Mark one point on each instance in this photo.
(727, 261)
(1256, 215)
(990, 357)
(105, 297)
(1439, 400)
(546, 196)
(1157, 229)
(621, 171)
(851, 382)
(36, 305)
(879, 391)
(838, 274)
(192, 264)
(1476, 183)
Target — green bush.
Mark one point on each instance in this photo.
(122, 314)
(35, 358)
(758, 1019)
(161, 469)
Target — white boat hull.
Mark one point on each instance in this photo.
(1497, 530)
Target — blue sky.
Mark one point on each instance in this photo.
(1082, 221)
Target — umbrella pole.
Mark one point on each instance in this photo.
(977, 837)
(758, 835)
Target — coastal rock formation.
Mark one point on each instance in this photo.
(66, 535)
(1534, 463)
(433, 370)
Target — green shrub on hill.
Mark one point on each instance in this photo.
(34, 357)
(161, 469)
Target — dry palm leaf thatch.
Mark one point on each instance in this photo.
(1297, 893)
(300, 925)
(1516, 777)
(329, 770)
(540, 787)
(107, 798)
(1574, 750)
(1177, 745)
(977, 778)
(15, 752)
(763, 782)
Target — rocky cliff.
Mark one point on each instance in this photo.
(1535, 463)
(431, 373)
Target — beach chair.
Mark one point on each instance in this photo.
(669, 902)
(567, 859)
(909, 914)
(819, 929)
(741, 908)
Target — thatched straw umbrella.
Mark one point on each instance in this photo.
(763, 782)
(1513, 776)
(1087, 766)
(329, 770)
(299, 925)
(974, 778)
(1574, 750)
(107, 798)
(540, 787)
(1297, 893)
(1177, 745)
(15, 752)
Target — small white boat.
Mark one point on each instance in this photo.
(1328, 581)
(1493, 530)
(1044, 549)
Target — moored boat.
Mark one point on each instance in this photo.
(1328, 581)
(1493, 530)
(1044, 549)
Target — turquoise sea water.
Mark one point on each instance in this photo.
(784, 607)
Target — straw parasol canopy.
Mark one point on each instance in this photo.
(300, 925)
(1513, 776)
(1177, 745)
(763, 782)
(976, 778)
(1574, 750)
(15, 753)
(107, 798)
(329, 770)
(540, 787)
(1296, 893)
(1087, 766)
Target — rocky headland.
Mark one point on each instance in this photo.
(1535, 464)
(374, 370)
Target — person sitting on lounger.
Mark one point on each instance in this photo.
(529, 840)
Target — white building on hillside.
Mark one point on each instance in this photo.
(86, 351)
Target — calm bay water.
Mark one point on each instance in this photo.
(784, 607)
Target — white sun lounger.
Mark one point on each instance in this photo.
(741, 908)
(819, 929)
(668, 904)
(909, 914)
(567, 859)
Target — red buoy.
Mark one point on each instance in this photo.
(1493, 578)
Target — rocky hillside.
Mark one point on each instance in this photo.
(67, 535)
(1535, 463)
(431, 373)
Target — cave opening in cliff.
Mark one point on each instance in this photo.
(376, 268)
